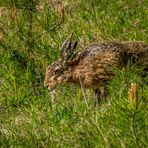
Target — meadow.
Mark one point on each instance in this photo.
(31, 33)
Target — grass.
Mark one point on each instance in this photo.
(29, 41)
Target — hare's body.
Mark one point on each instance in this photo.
(95, 65)
(92, 67)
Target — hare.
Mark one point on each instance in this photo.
(92, 67)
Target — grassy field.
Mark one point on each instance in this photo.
(30, 37)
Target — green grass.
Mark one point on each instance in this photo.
(28, 116)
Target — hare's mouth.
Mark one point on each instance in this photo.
(50, 89)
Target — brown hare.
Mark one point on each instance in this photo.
(92, 67)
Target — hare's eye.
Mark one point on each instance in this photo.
(56, 71)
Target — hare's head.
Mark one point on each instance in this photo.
(59, 71)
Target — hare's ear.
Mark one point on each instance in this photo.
(75, 58)
(66, 46)
(74, 45)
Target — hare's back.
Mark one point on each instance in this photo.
(100, 48)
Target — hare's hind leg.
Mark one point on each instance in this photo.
(97, 96)
(100, 94)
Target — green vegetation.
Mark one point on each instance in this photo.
(31, 33)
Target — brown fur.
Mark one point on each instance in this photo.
(93, 66)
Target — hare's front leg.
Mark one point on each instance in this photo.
(100, 94)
